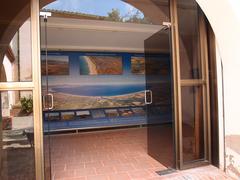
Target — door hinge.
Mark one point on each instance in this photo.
(45, 15)
(167, 25)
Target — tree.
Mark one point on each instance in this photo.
(135, 17)
(114, 15)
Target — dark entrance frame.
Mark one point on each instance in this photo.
(209, 83)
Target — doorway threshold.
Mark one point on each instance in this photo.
(166, 171)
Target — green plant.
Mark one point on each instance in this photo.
(26, 104)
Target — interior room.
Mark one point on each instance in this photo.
(107, 95)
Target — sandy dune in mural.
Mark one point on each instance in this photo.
(55, 67)
(100, 65)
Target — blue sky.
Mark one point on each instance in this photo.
(96, 7)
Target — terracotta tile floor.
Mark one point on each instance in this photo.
(112, 155)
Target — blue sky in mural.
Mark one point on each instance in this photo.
(95, 7)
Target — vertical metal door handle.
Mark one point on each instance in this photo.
(51, 107)
(146, 100)
(44, 102)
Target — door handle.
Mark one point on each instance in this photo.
(146, 99)
(48, 106)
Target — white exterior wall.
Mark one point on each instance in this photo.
(24, 51)
(224, 16)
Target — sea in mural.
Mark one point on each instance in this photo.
(99, 96)
(99, 90)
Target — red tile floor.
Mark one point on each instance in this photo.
(116, 154)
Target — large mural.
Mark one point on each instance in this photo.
(105, 89)
(94, 80)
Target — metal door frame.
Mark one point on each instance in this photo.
(178, 83)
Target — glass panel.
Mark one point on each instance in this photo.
(190, 62)
(17, 135)
(15, 42)
(192, 123)
(140, 12)
(113, 96)
(159, 98)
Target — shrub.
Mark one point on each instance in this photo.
(26, 105)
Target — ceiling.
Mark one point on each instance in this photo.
(66, 34)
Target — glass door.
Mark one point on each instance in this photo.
(47, 97)
(66, 36)
(159, 97)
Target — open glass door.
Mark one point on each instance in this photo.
(159, 97)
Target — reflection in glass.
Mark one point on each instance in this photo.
(17, 135)
(16, 63)
(190, 63)
(192, 123)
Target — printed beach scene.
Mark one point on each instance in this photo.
(100, 65)
(57, 65)
(95, 81)
(138, 65)
(90, 97)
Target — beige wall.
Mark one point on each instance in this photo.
(224, 16)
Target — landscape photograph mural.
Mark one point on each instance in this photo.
(105, 89)
(113, 83)
(138, 65)
(57, 65)
(97, 96)
(100, 65)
